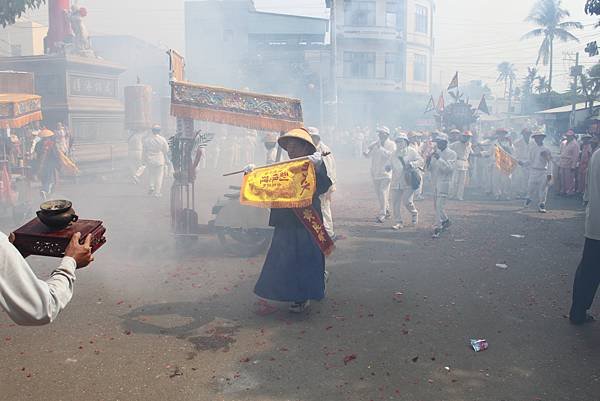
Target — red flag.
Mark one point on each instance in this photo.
(454, 82)
(430, 105)
(441, 104)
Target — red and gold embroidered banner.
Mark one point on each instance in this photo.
(279, 186)
(313, 223)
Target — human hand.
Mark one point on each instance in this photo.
(81, 253)
(11, 238)
(316, 158)
(249, 168)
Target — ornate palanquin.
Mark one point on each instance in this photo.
(19, 109)
(233, 107)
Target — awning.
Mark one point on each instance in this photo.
(232, 107)
(567, 108)
(19, 109)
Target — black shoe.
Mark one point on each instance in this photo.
(586, 319)
(446, 223)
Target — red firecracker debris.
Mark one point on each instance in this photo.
(349, 358)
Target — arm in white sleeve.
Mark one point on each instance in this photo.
(28, 300)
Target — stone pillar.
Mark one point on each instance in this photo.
(59, 28)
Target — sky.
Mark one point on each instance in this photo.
(471, 36)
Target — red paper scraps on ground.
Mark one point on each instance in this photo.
(349, 358)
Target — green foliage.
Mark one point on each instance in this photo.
(10, 10)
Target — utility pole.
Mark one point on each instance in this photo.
(333, 64)
(575, 72)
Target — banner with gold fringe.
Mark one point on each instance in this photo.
(238, 108)
(284, 185)
(504, 161)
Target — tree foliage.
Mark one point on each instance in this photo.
(549, 16)
(10, 10)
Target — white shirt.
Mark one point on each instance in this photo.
(380, 158)
(463, 151)
(540, 158)
(28, 300)
(592, 214)
(156, 149)
(329, 162)
(411, 158)
(442, 169)
(522, 149)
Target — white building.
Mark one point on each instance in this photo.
(384, 51)
(23, 38)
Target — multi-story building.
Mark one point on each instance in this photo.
(383, 57)
(23, 38)
(230, 43)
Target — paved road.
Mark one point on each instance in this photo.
(147, 323)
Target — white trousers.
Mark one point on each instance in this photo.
(439, 203)
(326, 210)
(382, 190)
(135, 162)
(501, 184)
(404, 197)
(156, 175)
(459, 181)
(520, 180)
(537, 187)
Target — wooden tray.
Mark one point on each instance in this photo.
(35, 238)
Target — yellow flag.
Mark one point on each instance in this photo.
(284, 185)
(505, 161)
(68, 166)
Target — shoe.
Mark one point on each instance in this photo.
(587, 319)
(415, 221)
(326, 280)
(527, 203)
(151, 191)
(299, 307)
(542, 208)
(380, 219)
(388, 214)
(446, 223)
(436, 232)
(135, 179)
(398, 226)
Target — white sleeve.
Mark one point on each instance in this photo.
(28, 300)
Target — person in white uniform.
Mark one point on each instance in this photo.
(325, 198)
(135, 152)
(156, 156)
(441, 164)
(463, 150)
(406, 162)
(522, 147)
(540, 172)
(380, 153)
(29, 301)
(501, 182)
(587, 276)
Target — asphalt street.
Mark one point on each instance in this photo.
(150, 321)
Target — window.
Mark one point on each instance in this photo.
(394, 15)
(16, 50)
(422, 20)
(420, 68)
(393, 66)
(359, 12)
(359, 65)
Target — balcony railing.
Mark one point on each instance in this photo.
(370, 32)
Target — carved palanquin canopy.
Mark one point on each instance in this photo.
(19, 109)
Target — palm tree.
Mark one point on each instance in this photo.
(529, 80)
(507, 75)
(548, 15)
(542, 86)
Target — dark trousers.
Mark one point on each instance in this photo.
(586, 281)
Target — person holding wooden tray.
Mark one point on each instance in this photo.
(30, 301)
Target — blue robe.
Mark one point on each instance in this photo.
(295, 266)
